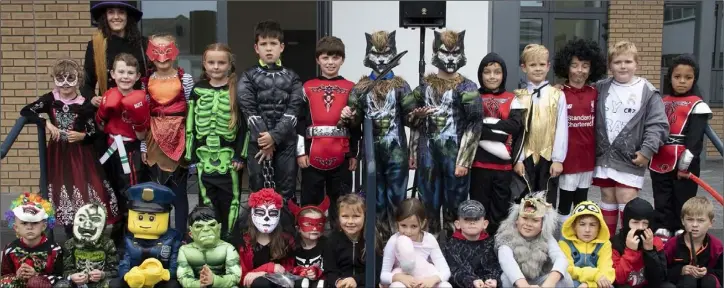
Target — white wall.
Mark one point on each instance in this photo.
(351, 19)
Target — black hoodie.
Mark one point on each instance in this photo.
(696, 124)
(630, 264)
(344, 258)
(492, 102)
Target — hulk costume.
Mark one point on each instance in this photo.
(212, 146)
(207, 250)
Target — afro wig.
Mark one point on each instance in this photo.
(584, 50)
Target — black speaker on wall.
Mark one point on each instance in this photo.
(422, 14)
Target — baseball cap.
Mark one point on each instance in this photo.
(471, 209)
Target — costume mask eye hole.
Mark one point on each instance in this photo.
(274, 213)
(259, 212)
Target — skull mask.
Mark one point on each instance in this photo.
(381, 48)
(89, 222)
(265, 218)
(448, 50)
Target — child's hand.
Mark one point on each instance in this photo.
(144, 158)
(265, 140)
(688, 270)
(251, 277)
(54, 131)
(461, 171)
(352, 164)
(303, 161)
(95, 275)
(75, 136)
(699, 272)
(556, 169)
(237, 165)
(583, 285)
(648, 239)
(479, 284)
(632, 242)
(79, 278)
(412, 165)
(347, 283)
(429, 282)
(640, 159)
(519, 169)
(682, 174)
(603, 282)
(311, 275)
(491, 283)
(96, 101)
(278, 268)
(346, 113)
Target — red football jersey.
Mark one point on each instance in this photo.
(581, 156)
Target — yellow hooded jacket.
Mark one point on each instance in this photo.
(581, 254)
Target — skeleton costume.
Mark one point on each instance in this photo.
(270, 97)
(89, 249)
(329, 148)
(76, 177)
(212, 145)
(448, 135)
(532, 259)
(265, 206)
(45, 257)
(386, 102)
(688, 116)
(207, 250)
(310, 259)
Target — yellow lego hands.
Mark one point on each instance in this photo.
(147, 275)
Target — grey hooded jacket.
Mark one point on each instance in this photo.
(644, 133)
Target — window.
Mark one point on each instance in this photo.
(679, 12)
(531, 31)
(678, 35)
(193, 23)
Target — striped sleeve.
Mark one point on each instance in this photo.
(187, 81)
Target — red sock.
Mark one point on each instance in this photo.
(610, 215)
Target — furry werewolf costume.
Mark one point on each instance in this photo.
(383, 103)
(448, 133)
(578, 166)
(531, 258)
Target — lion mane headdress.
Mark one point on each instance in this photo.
(30, 207)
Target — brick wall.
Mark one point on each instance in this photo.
(717, 123)
(641, 22)
(34, 34)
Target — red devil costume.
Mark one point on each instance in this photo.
(166, 141)
(688, 116)
(306, 258)
(328, 148)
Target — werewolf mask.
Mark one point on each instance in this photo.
(448, 50)
(381, 48)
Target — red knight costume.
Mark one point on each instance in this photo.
(688, 115)
(328, 147)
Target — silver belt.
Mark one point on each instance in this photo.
(326, 131)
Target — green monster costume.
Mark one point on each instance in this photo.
(213, 146)
(207, 250)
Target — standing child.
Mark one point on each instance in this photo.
(169, 89)
(671, 166)
(215, 137)
(89, 258)
(345, 254)
(705, 269)
(631, 125)
(411, 217)
(325, 152)
(545, 142)
(471, 251)
(123, 115)
(585, 244)
(270, 97)
(448, 131)
(579, 62)
(32, 260)
(308, 260)
(70, 148)
(264, 249)
(527, 252)
(491, 173)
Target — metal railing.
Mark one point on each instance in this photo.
(42, 149)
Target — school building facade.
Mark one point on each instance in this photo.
(35, 33)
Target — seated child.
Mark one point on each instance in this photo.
(471, 239)
(308, 253)
(527, 252)
(585, 244)
(89, 257)
(705, 270)
(208, 261)
(31, 260)
(344, 255)
(411, 218)
(638, 255)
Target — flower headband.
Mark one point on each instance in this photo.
(30, 207)
(266, 196)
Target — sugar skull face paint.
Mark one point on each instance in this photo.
(265, 217)
(161, 51)
(66, 80)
